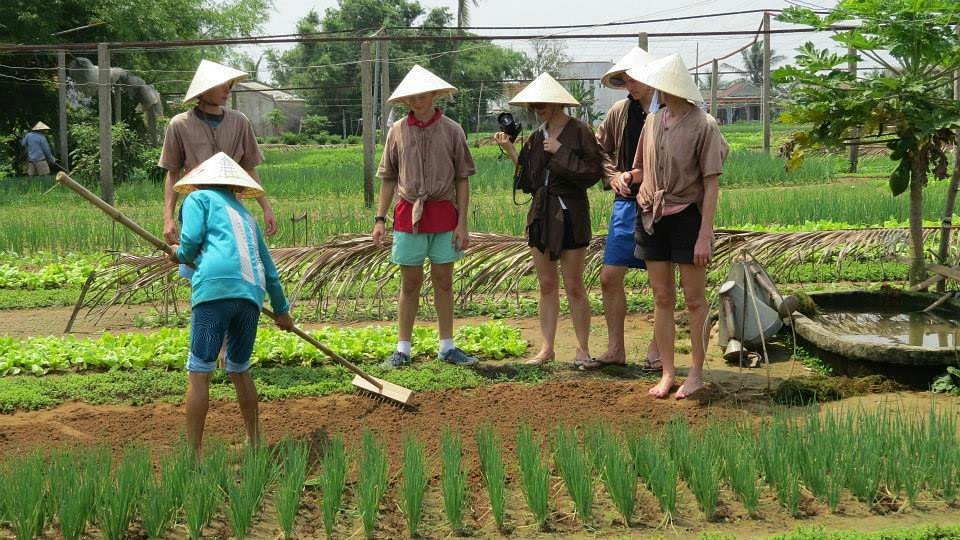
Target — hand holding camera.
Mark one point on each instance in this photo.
(509, 126)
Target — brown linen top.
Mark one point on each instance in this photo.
(189, 141)
(610, 137)
(675, 160)
(576, 166)
(426, 162)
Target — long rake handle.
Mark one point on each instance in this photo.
(118, 216)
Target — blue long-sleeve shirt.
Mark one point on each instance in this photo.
(38, 149)
(221, 237)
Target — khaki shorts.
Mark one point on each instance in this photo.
(38, 168)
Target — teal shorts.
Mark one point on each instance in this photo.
(411, 249)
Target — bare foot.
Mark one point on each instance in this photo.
(612, 357)
(689, 388)
(662, 389)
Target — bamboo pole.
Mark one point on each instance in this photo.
(643, 40)
(766, 87)
(385, 107)
(714, 81)
(106, 147)
(855, 132)
(62, 98)
(369, 144)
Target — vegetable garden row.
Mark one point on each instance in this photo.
(836, 459)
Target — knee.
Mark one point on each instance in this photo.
(609, 282)
(549, 286)
(442, 283)
(664, 297)
(695, 300)
(411, 285)
(575, 290)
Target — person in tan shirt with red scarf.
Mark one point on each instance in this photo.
(426, 163)
(678, 165)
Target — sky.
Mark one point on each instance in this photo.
(286, 13)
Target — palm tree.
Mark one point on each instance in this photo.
(753, 62)
(463, 21)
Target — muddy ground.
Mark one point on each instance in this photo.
(572, 397)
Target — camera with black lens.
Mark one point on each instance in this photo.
(509, 126)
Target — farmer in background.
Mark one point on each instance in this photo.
(618, 136)
(426, 164)
(558, 162)
(233, 271)
(194, 136)
(39, 156)
(678, 165)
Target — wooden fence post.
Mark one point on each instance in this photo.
(106, 148)
(62, 87)
(369, 124)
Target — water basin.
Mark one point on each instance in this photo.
(884, 327)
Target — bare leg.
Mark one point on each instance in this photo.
(442, 277)
(693, 279)
(249, 408)
(664, 296)
(197, 402)
(571, 265)
(614, 310)
(549, 306)
(411, 279)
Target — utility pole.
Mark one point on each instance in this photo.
(385, 108)
(369, 144)
(766, 88)
(106, 148)
(643, 41)
(855, 131)
(62, 87)
(714, 79)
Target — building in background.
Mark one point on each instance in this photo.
(257, 100)
(738, 102)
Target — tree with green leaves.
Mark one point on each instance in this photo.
(907, 106)
(329, 72)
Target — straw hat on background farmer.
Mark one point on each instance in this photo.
(234, 273)
(39, 156)
(196, 135)
(678, 165)
(557, 163)
(618, 136)
(426, 163)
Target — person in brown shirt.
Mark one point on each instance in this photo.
(558, 162)
(196, 135)
(426, 163)
(618, 136)
(678, 165)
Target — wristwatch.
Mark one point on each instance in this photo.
(379, 219)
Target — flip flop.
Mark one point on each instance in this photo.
(539, 361)
(579, 364)
(652, 364)
(595, 363)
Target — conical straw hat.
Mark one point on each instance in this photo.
(636, 58)
(210, 75)
(219, 170)
(669, 75)
(40, 127)
(419, 80)
(544, 89)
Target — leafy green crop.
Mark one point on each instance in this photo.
(167, 348)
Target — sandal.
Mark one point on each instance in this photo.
(595, 363)
(652, 364)
(535, 361)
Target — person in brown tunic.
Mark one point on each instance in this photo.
(558, 162)
(426, 164)
(678, 165)
(618, 136)
(195, 136)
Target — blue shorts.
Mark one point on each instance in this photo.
(411, 249)
(621, 242)
(211, 322)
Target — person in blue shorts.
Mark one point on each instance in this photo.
(234, 271)
(618, 136)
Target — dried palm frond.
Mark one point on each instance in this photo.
(349, 269)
